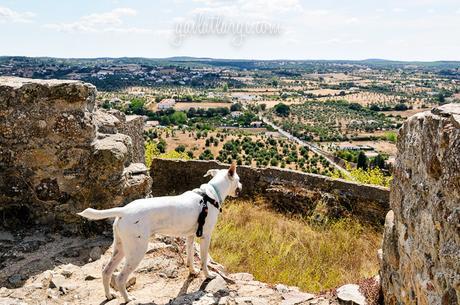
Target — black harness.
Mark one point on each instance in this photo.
(204, 210)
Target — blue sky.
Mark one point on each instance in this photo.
(328, 29)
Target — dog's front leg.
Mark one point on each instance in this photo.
(204, 250)
(190, 255)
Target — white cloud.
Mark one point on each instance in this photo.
(398, 10)
(102, 22)
(317, 12)
(270, 6)
(352, 20)
(341, 41)
(9, 15)
(316, 19)
(247, 9)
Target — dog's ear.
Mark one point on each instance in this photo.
(211, 172)
(232, 169)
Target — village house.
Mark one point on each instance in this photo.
(236, 114)
(151, 124)
(256, 124)
(355, 147)
(167, 103)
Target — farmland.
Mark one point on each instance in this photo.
(332, 121)
(255, 147)
(220, 105)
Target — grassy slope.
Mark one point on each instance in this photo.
(280, 249)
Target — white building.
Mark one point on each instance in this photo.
(236, 114)
(167, 103)
(151, 124)
(256, 124)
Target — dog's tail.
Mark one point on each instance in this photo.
(101, 214)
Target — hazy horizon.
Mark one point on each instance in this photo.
(243, 59)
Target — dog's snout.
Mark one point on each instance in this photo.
(238, 191)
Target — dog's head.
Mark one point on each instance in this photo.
(229, 176)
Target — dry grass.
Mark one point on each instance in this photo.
(380, 146)
(280, 249)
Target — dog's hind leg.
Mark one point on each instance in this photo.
(191, 254)
(116, 258)
(134, 252)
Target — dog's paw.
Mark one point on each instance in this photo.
(110, 296)
(211, 275)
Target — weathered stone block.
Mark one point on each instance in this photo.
(421, 248)
(57, 156)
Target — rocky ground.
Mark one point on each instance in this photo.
(41, 268)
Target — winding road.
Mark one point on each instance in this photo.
(311, 146)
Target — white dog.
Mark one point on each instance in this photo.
(169, 215)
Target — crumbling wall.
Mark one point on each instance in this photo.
(59, 155)
(286, 190)
(133, 126)
(130, 125)
(421, 248)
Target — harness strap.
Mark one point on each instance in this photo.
(207, 199)
(204, 211)
(201, 220)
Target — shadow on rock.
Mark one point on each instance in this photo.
(26, 254)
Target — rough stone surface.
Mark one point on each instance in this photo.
(15, 280)
(296, 297)
(95, 253)
(113, 121)
(59, 155)
(133, 126)
(351, 293)
(50, 277)
(217, 284)
(287, 190)
(421, 248)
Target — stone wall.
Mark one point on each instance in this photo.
(59, 155)
(133, 126)
(421, 248)
(130, 125)
(287, 190)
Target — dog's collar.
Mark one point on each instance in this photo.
(217, 193)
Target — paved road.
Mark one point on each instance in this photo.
(311, 146)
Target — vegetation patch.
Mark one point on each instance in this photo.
(373, 176)
(280, 249)
(331, 120)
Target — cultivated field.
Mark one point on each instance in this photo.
(272, 103)
(380, 146)
(255, 147)
(184, 106)
(406, 113)
(332, 121)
